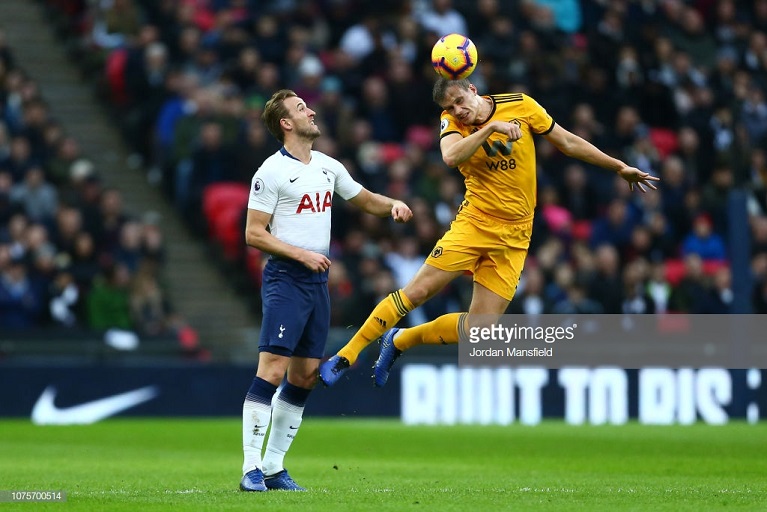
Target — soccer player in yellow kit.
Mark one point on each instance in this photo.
(490, 140)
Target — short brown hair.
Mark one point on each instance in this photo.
(275, 110)
(441, 85)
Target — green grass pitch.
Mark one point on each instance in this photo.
(350, 465)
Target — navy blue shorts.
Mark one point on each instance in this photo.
(296, 310)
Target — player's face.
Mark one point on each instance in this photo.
(302, 118)
(463, 104)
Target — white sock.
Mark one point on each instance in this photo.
(255, 421)
(286, 418)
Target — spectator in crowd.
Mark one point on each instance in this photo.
(605, 284)
(83, 262)
(692, 294)
(149, 308)
(703, 241)
(657, 287)
(108, 302)
(36, 197)
(577, 301)
(21, 304)
(530, 298)
(615, 227)
(636, 299)
(64, 301)
(721, 291)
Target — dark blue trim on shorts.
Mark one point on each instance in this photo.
(276, 350)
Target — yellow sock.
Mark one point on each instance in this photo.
(440, 331)
(384, 316)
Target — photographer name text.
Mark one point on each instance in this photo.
(512, 352)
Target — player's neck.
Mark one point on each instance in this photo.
(300, 150)
(485, 110)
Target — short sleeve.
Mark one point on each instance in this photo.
(345, 185)
(263, 193)
(448, 125)
(539, 120)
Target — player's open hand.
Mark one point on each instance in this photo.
(638, 178)
(400, 212)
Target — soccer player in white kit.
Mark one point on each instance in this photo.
(291, 195)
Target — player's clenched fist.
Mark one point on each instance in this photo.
(511, 129)
(400, 212)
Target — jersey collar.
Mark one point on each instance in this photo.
(285, 152)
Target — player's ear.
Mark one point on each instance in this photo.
(286, 123)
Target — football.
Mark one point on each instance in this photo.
(454, 56)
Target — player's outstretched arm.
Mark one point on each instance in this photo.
(577, 147)
(381, 206)
(256, 235)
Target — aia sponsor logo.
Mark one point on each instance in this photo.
(316, 203)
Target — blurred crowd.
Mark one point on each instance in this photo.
(72, 259)
(673, 87)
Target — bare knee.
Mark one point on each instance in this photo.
(271, 374)
(306, 382)
(416, 294)
(426, 283)
(303, 377)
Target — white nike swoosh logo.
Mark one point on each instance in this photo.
(45, 411)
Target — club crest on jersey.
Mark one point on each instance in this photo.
(315, 203)
(437, 252)
(258, 186)
(325, 172)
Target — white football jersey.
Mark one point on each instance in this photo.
(299, 197)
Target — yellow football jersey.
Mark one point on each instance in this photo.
(500, 176)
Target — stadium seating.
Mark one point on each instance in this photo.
(219, 198)
(664, 140)
(675, 269)
(581, 230)
(223, 204)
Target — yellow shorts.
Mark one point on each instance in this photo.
(493, 249)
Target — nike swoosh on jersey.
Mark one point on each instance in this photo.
(45, 411)
(294, 179)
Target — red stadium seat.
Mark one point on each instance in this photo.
(114, 68)
(664, 140)
(229, 234)
(674, 271)
(581, 230)
(253, 264)
(391, 151)
(221, 197)
(711, 266)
